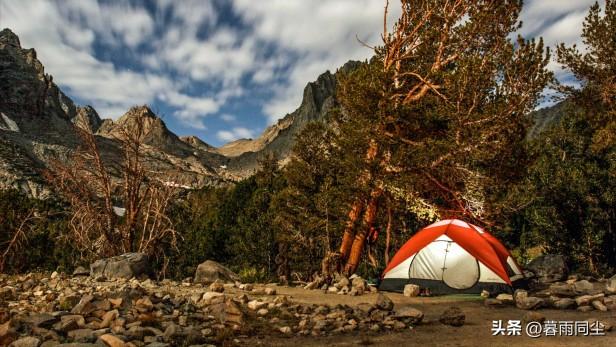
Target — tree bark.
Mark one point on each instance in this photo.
(360, 237)
(388, 233)
(349, 231)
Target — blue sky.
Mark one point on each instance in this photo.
(221, 70)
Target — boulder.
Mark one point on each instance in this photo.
(127, 265)
(384, 303)
(453, 316)
(411, 290)
(549, 268)
(210, 271)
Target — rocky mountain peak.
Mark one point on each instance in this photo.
(7, 37)
(87, 118)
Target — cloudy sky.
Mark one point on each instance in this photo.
(220, 70)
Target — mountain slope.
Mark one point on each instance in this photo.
(318, 99)
(37, 126)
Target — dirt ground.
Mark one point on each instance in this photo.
(477, 331)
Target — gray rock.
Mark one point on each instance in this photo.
(127, 265)
(384, 303)
(562, 289)
(409, 314)
(453, 316)
(525, 302)
(549, 268)
(583, 287)
(210, 271)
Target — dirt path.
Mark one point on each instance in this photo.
(477, 331)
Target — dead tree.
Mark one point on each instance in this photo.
(92, 186)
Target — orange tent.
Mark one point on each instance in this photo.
(452, 256)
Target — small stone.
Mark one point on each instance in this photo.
(144, 305)
(262, 312)
(411, 290)
(217, 287)
(453, 316)
(256, 305)
(212, 297)
(564, 303)
(332, 289)
(599, 305)
(29, 341)
(384, 303)
(409, 314)
(525, 302)
(8, 333)
(505, 298)
(270, 291)
(485, 294)
(112, 341)
(285, 330)
(375, 327)
(82, 335)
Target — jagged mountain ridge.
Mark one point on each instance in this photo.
(37, 124)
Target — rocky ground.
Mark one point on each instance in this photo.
(58, 309)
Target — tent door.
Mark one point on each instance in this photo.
(460, 269)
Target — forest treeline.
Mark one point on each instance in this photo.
(435, 125)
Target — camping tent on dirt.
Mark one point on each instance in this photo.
(450, 257)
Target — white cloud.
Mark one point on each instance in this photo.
(229, 118)
(322, 35)
(279, 47)
(234, 134)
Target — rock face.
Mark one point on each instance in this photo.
(211, 271)
(123, 266)
(549, 268)
(318, 99)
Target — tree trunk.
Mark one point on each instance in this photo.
(388, 233)
(349, 231)
(360, 238)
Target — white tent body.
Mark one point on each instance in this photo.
(446, 267)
